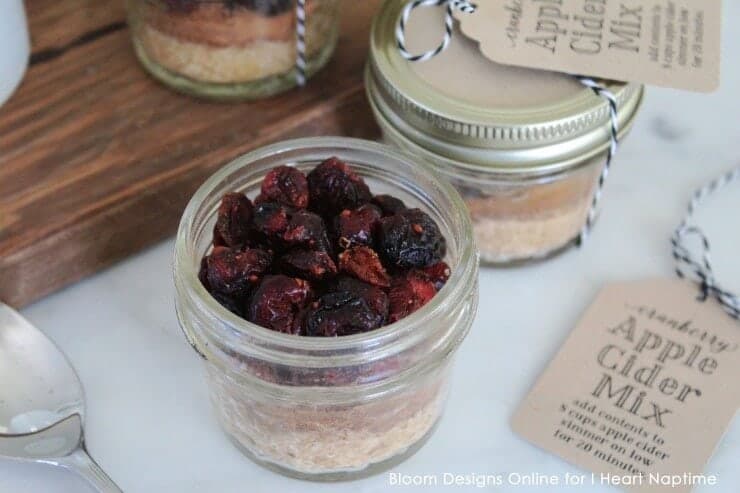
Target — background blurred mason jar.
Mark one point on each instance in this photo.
(230, 49)
(15, 46)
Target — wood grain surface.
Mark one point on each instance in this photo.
(97, 160)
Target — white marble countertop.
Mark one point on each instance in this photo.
(149, 420)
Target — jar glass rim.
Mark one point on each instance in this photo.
(461, 279)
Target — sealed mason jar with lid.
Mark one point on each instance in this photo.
(524, 147)
(329, 407)
(225, 49)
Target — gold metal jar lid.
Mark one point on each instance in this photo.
(475, 113)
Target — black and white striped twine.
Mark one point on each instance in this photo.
(700, 269)
(611, 100)
(451, 6)
(598, 89)
(300, 42)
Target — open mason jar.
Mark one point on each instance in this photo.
(230, 49)
(525, 148)
(329, 408)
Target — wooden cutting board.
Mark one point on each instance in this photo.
(97, 160)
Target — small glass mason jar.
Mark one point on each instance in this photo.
(525, 148)
(329, 408)
(230, 49)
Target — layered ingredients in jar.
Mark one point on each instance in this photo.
(230, 42)
(317, 256)
(321, 440)
(530, 219)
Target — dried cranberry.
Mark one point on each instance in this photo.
(374, 296)
(270, 221)
(203, 273)
(232, 224)
(437, 273)
(364, 263)
(308, 264)
(389, 204)
(355, 227)
(229, 275)
(234, 305)
(277, 302)
(232, 273)
(407, 294)
(285, 185)
(410, 239)
(333, 187)
(341, 313)
(285, 228)
(218, 240)
(306, 229)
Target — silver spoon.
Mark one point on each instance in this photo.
(42, 403)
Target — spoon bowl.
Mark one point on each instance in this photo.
(42, 403)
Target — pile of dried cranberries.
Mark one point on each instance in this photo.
(319, 255)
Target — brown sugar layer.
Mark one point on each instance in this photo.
(231, 64)
(504, 240)
(530, 221)
(218, 26)
(328, 438)
(213, 45)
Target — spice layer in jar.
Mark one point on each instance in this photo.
(324, 393)
(230, 49)
(525, 148)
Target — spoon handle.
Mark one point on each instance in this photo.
(81, 462)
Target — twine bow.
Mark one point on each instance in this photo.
(452, 5)
(699, 269)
